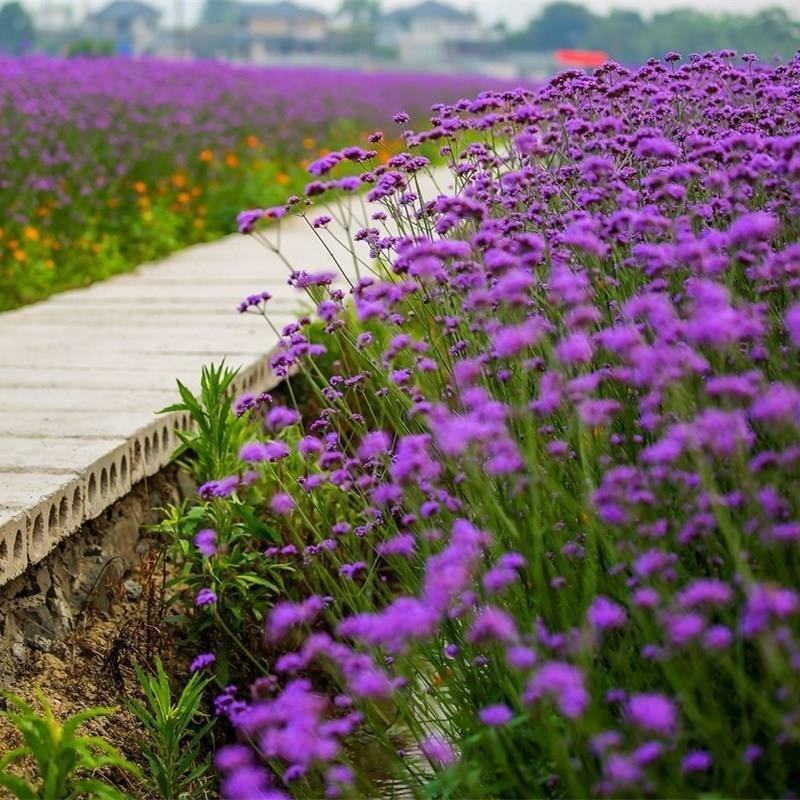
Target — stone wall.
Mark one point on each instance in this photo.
(84, 573)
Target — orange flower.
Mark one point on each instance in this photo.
(282, 178)
(252, 141)
(206, 156)
(231, 161)
(184, 197)
(20, 256)
(179, 180)
(140, 187)
(31, 234)
(50, 264)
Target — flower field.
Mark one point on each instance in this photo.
(105, 163)
(527, 523)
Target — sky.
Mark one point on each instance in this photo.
(514, 12)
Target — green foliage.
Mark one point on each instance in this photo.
(66, 761)
(219, 12)
(245, 583)
(176, 729)
(217, 434)
(90, 47)
(631, 39)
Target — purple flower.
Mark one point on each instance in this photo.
(280, 417)
(256, 452)
(282, 504)
(757, 226)
(286, 615)
(246, 220)
(696, 761)
(574, 349)
(373, 445)
(605, 614)
(206, 542)
(438, 750)
(205, 597)
(792, 320)
(496, 715)
(653, 713)
(562, 682)
(202, 661)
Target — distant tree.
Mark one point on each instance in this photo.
(219, 12)
(629, 38)
(17, 33)
(360, 13)
(360, 20)
(560, 24)
(90, 47)
(620, 33)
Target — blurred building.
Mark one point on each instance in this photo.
(53, 18)
(280, 28)
(131, 26)
(432, 32)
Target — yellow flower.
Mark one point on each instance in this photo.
(31, 234)
(309, 143)
(20, 256)
(50, 264)
(199, 223)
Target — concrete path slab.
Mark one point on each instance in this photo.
(83, 374)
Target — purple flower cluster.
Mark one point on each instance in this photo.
(556, 459)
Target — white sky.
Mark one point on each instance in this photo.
(514, 12)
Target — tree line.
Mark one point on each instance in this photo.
(630, 38)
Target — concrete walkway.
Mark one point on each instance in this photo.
(83, 374)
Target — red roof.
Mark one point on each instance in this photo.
(581, 58)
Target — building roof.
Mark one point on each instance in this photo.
(429, 10)
(284, 10)
(121, 10)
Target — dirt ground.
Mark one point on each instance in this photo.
(93, 666)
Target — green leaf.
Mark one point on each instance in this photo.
(17, 786)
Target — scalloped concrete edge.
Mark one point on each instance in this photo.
(27, 535)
